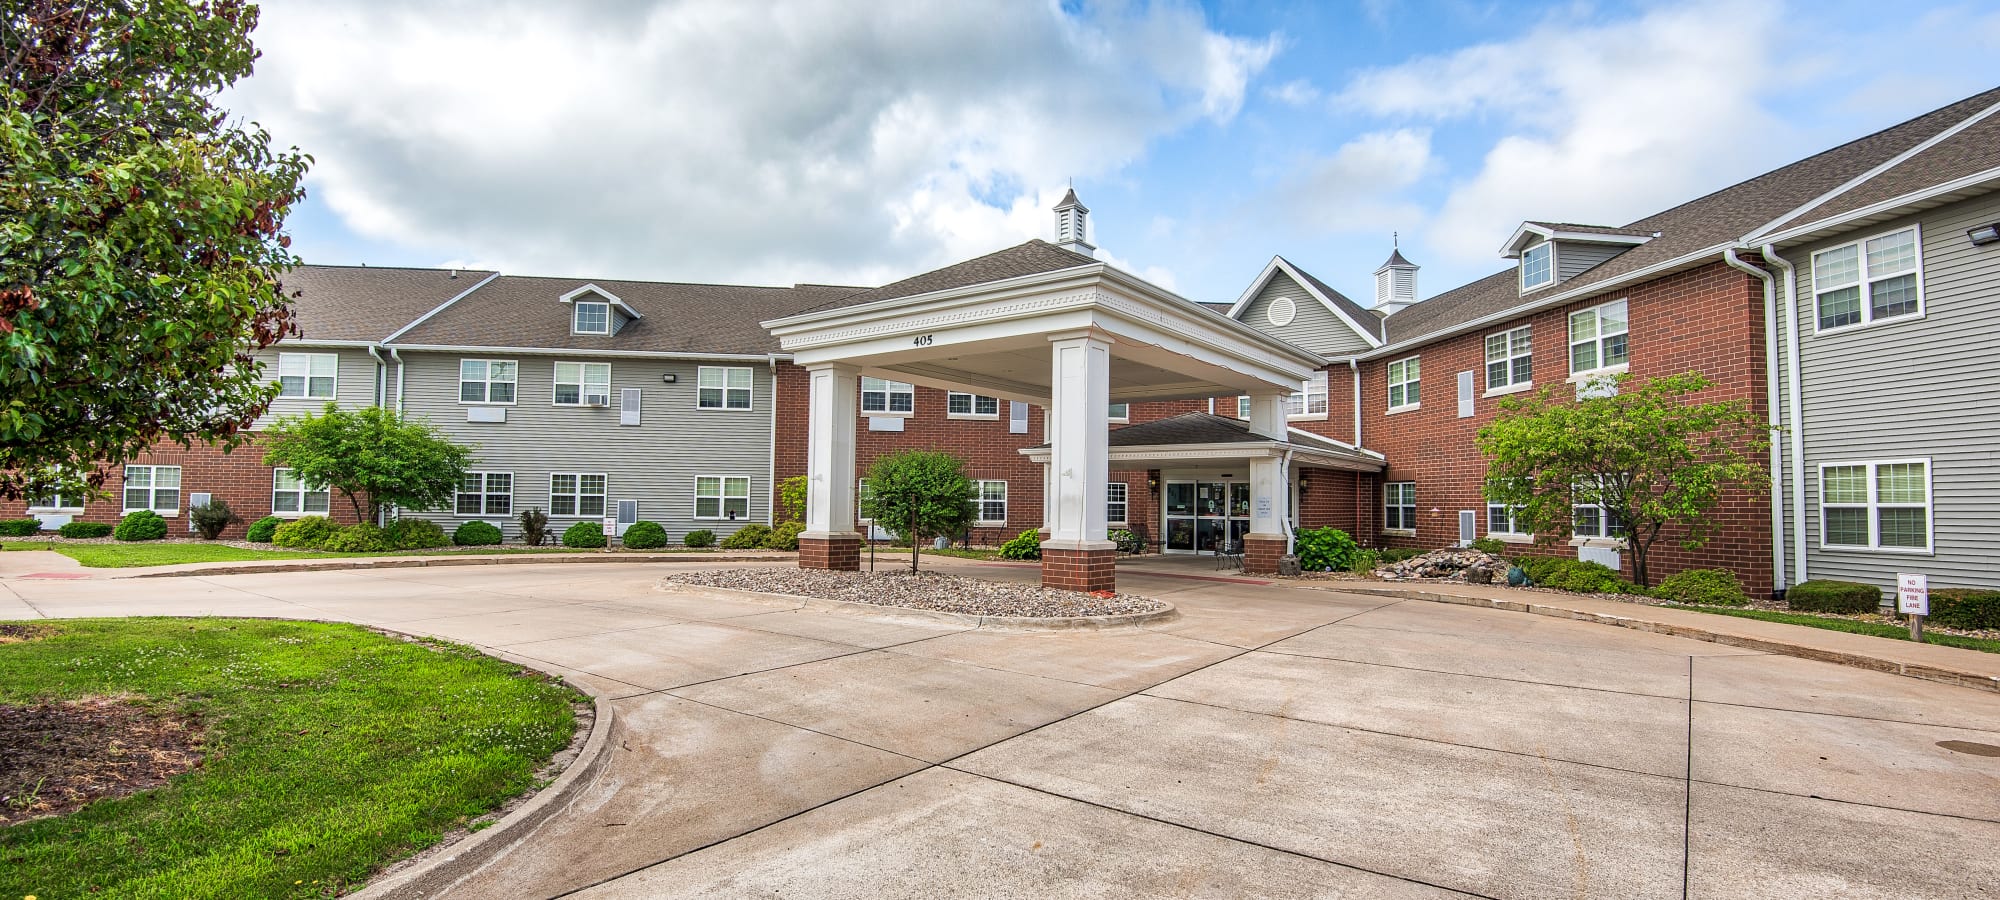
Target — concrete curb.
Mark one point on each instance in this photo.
(424, 562)
(1941, 674)
(965, 620)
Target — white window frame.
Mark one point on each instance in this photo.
(59, 501)
(299, 494)
(1243, 407)
(861, 497)
(485, 495)
(304, 363)
(1550, 246)
(1389, 498)
(576, 495)
(726, 401)
(985, 501)
(576, 316)
(1597, 339)
(1498, 511)
(1119, 412)
(1309, 402)
(972, 404)
(1412, 370)
(583, 382)
(486, 381)
(152, 490)
(887, 390)
(1117, 495)
(1602, 530)
(1874, 506)
(1516, 345)
(1866, 280)
(722, 497)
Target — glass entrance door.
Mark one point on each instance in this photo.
(1202, 516)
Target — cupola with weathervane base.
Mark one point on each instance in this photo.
(1395, 281)
(1070, 225)
(1550, 253)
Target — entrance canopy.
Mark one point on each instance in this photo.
(1202, 439)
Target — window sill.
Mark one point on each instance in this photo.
(163, 513)
(1899, 551)
(1393, 410)
(1610, 543)
(977, 417)
(1511, 537)
(1307, 417)
(1400, 532)
(581, 517)
(1504, 390)
(725, 409)
(54, 510)
(982, 524)
(1871, 323)
(490, 403)
(1580, 377)
(299, 515)
(890, 415)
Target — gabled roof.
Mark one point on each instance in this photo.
(1032, 258)
(1530, 232)
(605, 295)
(1969, 152)
(1354, 314)
(369, 303)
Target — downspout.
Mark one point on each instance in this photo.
(1795, 412)
(1355, 367)
(396, 355)
(1289, 493)
(1771, 402)
(771, 477)
(376, 352)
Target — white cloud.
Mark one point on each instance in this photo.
(719, 140)
(1297, 92)
(1358, 186)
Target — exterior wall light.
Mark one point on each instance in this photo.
(669, 378)
(1985, 234)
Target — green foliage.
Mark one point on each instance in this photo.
(785, 536)
(1490, 546)
(261, 530)
(699, 538)
(1826, 595)
(305, 533)
(792, 498)
(1647, 453)
(144, 525)
(83, 530)
(140, 234)
(1364, 561)
(1965, 608)
(920, 494)
(415, 534)
(211, 518)
(370, 453)
(534, 527)
(749, 537)
(476, 534)
(20, 527)
(363, 538)
(1026, 545)
(1576, 575)
(645, 536)
(1325, 549)
(1399, 554)
(584, 536)
(1704, 587)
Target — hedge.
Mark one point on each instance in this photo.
(262, 530)
(584, 536)
(307, 533)
(698, 538)
(645, 536)
(749, 537)
(476, 534)
(363, 538)
(1965, 608)
(144, 525)
(1706, 587)
(1576, 575)
(415, 534)
(1823, 595)
(20, 527)
(85, 530)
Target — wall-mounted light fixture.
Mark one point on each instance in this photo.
(669, 378)
(1985, 234)
(1153, 483)
(1303, 481)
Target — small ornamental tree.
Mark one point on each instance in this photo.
(792, 498)
(372, 456)
(1648, 453)
(919, 494)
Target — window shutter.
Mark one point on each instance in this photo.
(1465, 395)
(1017, 417)
(628, 407)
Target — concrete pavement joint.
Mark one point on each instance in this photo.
(1575, 687)
(1687, 794)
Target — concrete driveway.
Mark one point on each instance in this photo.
(1273, 742)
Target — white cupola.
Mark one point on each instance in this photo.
(1395, 282)
(1071, 216)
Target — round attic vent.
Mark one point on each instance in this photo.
(1281, 311)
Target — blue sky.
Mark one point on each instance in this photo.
(722, 141)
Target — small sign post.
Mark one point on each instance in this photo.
(1913, 599)
(610, 531)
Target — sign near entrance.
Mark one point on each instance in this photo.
(1263, 507)
(1913, 594)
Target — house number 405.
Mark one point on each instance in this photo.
(925, 340)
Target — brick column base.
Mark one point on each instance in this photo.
(840, 552)
(1260, 554)
(1080, 570)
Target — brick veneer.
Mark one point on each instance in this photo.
(1080, 570)
(841, 554)
(1260, 555)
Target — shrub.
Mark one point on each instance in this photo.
(261, 530)
(308, 533)
(415, 534)
(1364, 561)
(477, 534)
(785, 536)
(645, 536)
(1824, 595)
(1576, 575)
(535, 527)
(1490, 546)
(144, 525)
(19, 527)
(1398, 554)
(85, 530)
(1708, 587)
(1325, 549)
(1965, 608)
(583, 536)
(363, 538)
(211, 518)
(1026, 545)
(749, 537)
(698, 538)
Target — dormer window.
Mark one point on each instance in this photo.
(594, 310)
(592, 318)
(1538, 266)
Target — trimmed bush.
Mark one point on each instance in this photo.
(211, 518)
(1026, 545)
(479, 534)
(144, 525)
(785, 536)
(1490, 546)
(308, 533)
(534, 527)
(261, 530)
(1707, 587)
(645, 536)
(1825, 595)
(1965, 608)
(85, 530)
(20, 527)
(1326, 549)
(698, 538)
(415, 534)
(1576, 575)
(363, 538)
(583, 536)
(749, 537)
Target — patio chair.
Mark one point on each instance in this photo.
(1229, 555)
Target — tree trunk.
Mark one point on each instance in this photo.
(355, 500)
(916, 542)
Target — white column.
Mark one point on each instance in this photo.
(1048, 499)
(1078, 433)
(1267, 473)
(835, 389)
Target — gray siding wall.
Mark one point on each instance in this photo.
(1574, 259)
(354, 389)
(1914, 388)
(655, 462)
(1314, 327)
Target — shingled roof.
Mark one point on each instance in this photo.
(1031, 258)
(368, 303)
(1973, 150)
(1361, 315)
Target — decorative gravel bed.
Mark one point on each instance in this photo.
(924, 590)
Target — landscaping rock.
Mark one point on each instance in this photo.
(1288, 566)
(1466, 565)
(925, 590)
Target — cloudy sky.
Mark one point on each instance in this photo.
(857, 143)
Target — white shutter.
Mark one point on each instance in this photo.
(628, 407)
(628, 513)
(1017, 417)
(1465, 395)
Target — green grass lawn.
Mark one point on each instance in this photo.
(147, 553)
(330, 752)
(1851, 626)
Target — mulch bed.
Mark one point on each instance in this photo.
(57, 757)
(924, 590)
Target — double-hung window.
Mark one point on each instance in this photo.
(1311, 398)
(880, 396)
(1120, 412)
(591, 318)
(971, 406)
(487, 380)
(1500, 520)
(992, 500)
(1243, 407)
(722, 497)
(723, 387)
(58, 500)
(308, 376)
(1403, 377)
(1114, 502)
(1868, 281)
(157, 488)
(1399, 506)
(1876, 505)
(583, 384)
(291, 496)
(1597, 338)
(1510, 359)
(576, 494)
(486, 494)
(1592, 519)
(1538, 266)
